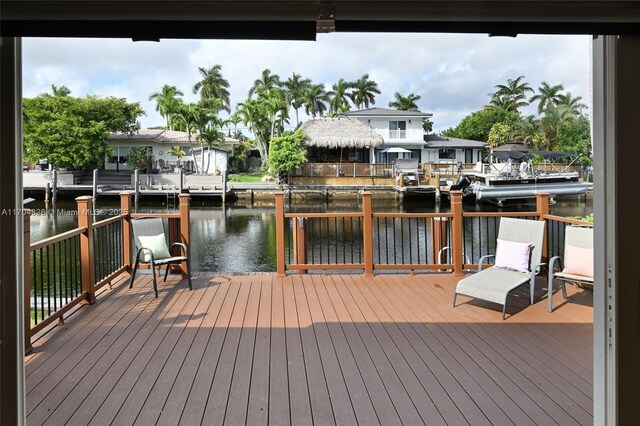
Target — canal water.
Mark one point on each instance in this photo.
(241, 237)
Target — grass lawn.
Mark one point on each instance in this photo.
(247, 177)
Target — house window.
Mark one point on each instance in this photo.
(447, 154)
(397, 129)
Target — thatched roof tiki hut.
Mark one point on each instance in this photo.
(340, 139)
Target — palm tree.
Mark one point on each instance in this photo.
(211, 137)
(405, 103)
(60, 92)
(187, 118)
(265, 83)
(315, 100)
(276, 107)
(554, 117)
(339, 97)
(252, 115)
(427, 125)
(364, 92)
(296, 87)
(547, 96)
(177, 151)
(167, 102)
(573, 104)
(213, 86)
(527, 130)
(511, 96)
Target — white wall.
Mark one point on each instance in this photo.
(414, 131)
(218, 160)
(430, 155)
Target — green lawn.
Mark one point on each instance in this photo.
(247, 177)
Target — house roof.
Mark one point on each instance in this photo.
(340, 132)
(161, 136)
(439, 141)
(386, 112)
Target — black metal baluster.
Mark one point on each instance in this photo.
(395, 251)
(48, 282)
(386, 240)
(313, 240)
(335, 229)
(418, 237)
(328, 240)
(34, 286)
(344, 242)
(410, 241)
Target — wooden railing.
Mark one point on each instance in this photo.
(370, 241)
(66, 270)
(342, 170)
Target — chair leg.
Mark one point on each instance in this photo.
(455, 295)
(166, 272)
(564, 289)
(133, 275)
(504, 310)
(189, 274)
(532, 289)
(550, 294)
(155, 280)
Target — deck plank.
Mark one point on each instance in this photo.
(314, 349)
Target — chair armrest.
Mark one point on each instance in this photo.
(146, 250)
(537, 269)
(552, 264)
(482, 259)
(184, 247)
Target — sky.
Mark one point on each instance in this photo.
(453, 73)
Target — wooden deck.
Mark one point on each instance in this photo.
(313, 349)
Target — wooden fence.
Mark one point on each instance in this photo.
(66, 270)
(371, 241)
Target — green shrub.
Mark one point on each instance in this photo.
(287, 152)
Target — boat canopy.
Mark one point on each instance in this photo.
(553, 155)
(522, 156)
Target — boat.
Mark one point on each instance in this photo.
(510, 175)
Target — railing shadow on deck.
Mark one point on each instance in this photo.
(65, 271)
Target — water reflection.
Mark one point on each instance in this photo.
(241, 238)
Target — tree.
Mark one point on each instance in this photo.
(364, 92)
(213, 86)
(72, 132)
(167, 102)
(60, 92)
(287, 152)
(339, 97)
(265, 83)
(211, 137)
(547, 97)
(315, 100)
(499, 134)
(550, 123)
(295, 88)
(575, 136)
(252, 115)
(186, 119)
(574, 105)
(405, 103)
(139, 158)
(177, 151)
(510, 96)
(427, 125)
(477, 125)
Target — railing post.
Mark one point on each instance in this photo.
(367, 234)
(125, 210)
(542, 208)
(280, 270)
(438, 237)
(456, 232)
(185, 229)
(87, 259)
(27, 281)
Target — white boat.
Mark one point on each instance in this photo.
(516, 179)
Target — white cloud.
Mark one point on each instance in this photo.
(452, 72)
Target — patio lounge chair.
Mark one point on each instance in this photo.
(151, 246)
(495, 283)
(578, 264)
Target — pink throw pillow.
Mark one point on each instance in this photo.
(513, 256)
(578, 261)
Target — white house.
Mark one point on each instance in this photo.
(159, 142)
(399, 129)
(444, 149)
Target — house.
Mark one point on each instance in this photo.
(159, 143)
(340, 139)
(399, 129)
(215, 160)
(445, 149)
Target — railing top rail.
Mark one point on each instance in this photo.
(161, 215)
(499, 214)
(324, 215)
(56, 238)
(108, 221)
(568, 220)
(408, 215)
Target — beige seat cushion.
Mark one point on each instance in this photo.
(492, 284)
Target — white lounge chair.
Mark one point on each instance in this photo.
(579, 237)
(494, 284)
(152, 248)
